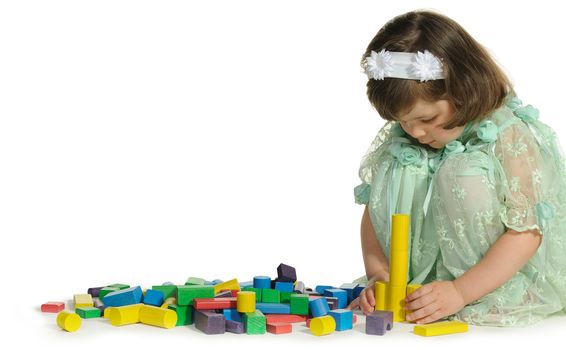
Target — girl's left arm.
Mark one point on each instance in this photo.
(439, 299)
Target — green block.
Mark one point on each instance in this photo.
(168, 290)
(194, 281)
(186, 294)
(286, 297)
(184, 314)
(299, 304)
(88, 312)
(105, 291)
(270, 296)
(257, 293)
(254, 322)
(119, 286)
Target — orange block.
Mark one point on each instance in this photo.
(53, 306)
(279, 327)
(282, 318)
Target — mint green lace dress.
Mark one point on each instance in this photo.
(504, 171)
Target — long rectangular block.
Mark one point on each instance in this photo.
(214, 303)
(282, 318)
(440, 328)
(123, 297)
(273, 308)
(88, 312)
(210, 322)
(168, 290)
(235, 327)
(186, 294)
(279, 327)
(53, 306)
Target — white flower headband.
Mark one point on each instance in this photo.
(421, 66)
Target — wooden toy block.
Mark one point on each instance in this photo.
(378, 322)
(68, 321)
(285, 297)
(275, 318)
(88, 312)
(53, 306)
(234, 327)
(440, 328)
(232, 314)
(279, 327)
(270, 296)
(224, 294)
(343, 319)
(94, 291)
(123, 315)
(168, 290)
(102, 308)
(119, 286)
(299, 287)
(122, 297)
(246, 301)
(83, 300)
(97, 302)
(184, 314)
(381, 288)
(320, 289)
(214, 303)
(195, 281)
(308, 322)
(246, 284)
(319, 307)
(262, 282)
(273, 308)
(284, 286)
(106, 290)
(357, 291)
(170, 301)
(349, 288)
(332, 302)
(286, 273)
(210, 322)
(153, 297)
(186, 294)
(228, 285)
(215, 282)
(410, 289)
(254, 322)
(340, 294)
(299, 304)
(322, 325)
(159, 317)
(257, 291)
(398, 268)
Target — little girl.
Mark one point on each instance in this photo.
(482, 179)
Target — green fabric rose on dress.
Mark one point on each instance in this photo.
(406, 153)
(513, 102)
(487, 131)
(454, 147)
(528, 114)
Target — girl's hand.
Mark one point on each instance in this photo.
(434, 301)
(366, 300)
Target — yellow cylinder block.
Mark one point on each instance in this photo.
(245, 301)
(123, 315)
(68, 321)
(157, 316)
(323, 325)
(398, 266)
(410, 289)
(397, 302)
(380, 295)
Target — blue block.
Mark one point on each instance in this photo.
(153, 297)
(340, 294)
(262, 282)
(232, 314)
(246, 284)
(123, 297)
(273, 308)
(318, 307)
(344, 319)
(284, 286)
(357, 291)
(216, 281)
(320, 289)
(349, 288)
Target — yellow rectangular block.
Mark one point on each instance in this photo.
(83, 300)
(228, 285)
(381, 295)
(440, 328)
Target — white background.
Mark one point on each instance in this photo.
(149, 141)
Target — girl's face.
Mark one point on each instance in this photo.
(424, 120)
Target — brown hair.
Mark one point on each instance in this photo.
(473, 83)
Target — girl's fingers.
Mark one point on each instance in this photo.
(423, 313)
(426, 289)
(437, 315)
(354, 304)
(420, 302)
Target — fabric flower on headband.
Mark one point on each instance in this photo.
(421, 66)
(378, 65)
(426, 66)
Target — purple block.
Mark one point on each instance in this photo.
(101, 308)
(286, 273)
(234, 327)
(210, 322)
(94, 291)
(378, 322)
(333, 303)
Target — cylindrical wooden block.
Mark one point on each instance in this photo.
(410, 289)
(68, 321)
(322, 325)
(380, 295)
(123, 315)
(245, 301)
(396, 302)
(399, 256)
(157, 316)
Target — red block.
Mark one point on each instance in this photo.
(354, 318)
(53, 306)
(308, 322)
(214, 303)
(279, 327)
(282, 318)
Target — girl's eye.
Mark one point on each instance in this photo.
(429, 120)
